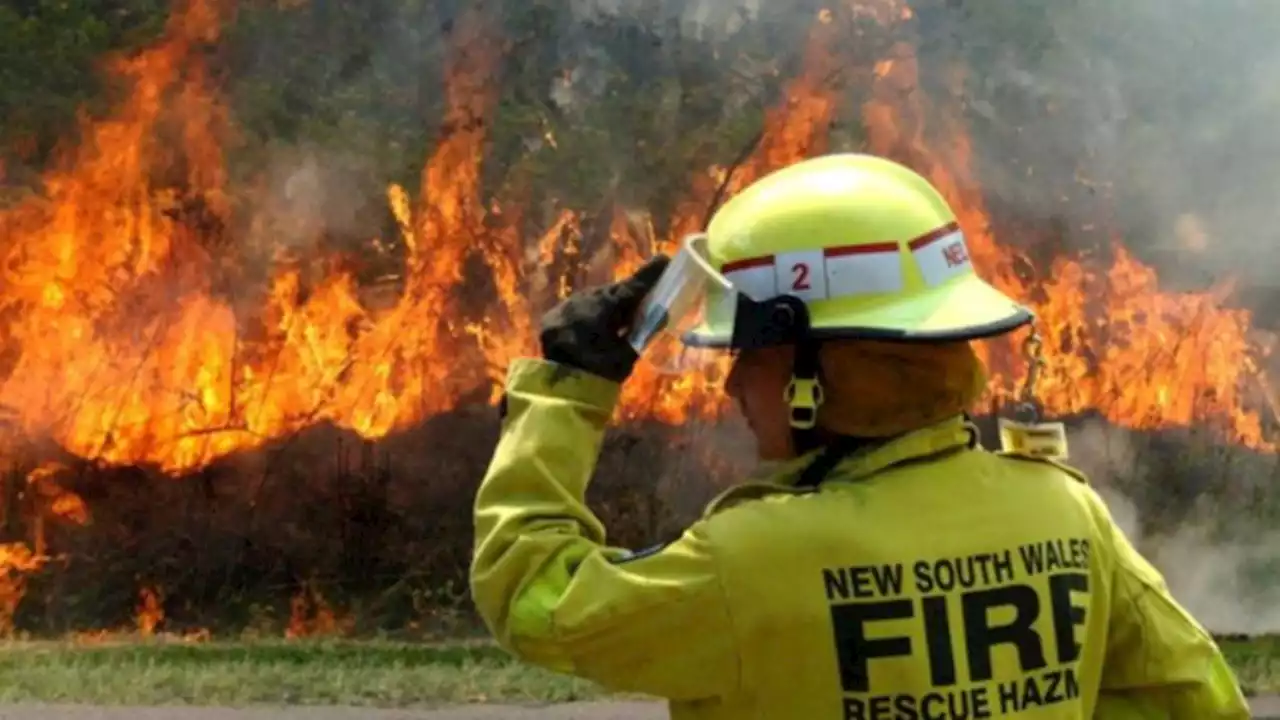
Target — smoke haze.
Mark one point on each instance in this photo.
(1217, 559)
(1164, 109)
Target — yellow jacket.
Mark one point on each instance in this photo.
(925, 579)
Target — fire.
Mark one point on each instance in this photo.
(310, 616)
(104, 297)
(124, 341)
(17, 562)
(127, 352)
(150, 611)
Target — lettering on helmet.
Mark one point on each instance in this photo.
(979, 636)
(941, 255)
(955, 254)
(800, 280)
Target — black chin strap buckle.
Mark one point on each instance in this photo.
(783, 320)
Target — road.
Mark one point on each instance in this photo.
(1267, 708)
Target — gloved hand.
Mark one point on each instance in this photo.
(587, 330)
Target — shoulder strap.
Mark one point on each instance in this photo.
(831, 456)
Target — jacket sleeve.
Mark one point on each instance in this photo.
(549, 588)
(1160, 662)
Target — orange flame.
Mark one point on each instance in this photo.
(110, 310)
(126, 346)
(17, 562)
(310, 617)
(58, 501)
(150, 612)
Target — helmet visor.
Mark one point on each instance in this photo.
(689, 297)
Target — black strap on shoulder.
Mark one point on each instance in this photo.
(831, 456)
(846, 445)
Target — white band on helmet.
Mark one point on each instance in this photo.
(850, 270)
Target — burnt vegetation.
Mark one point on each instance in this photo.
(381, 532)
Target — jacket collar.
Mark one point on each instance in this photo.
(942, 437)
(950, 434)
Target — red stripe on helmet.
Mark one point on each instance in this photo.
(860, 249)
(747, 264)
(933, 236)
(845, 250)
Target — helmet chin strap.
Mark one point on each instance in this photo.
(784, 320)
(804, 394)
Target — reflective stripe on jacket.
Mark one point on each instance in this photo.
(926, 579)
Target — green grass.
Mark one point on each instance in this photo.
(363, 673)
(1256, 661)
(373, 673)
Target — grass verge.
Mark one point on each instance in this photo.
(369, 673)
(364, 673)
(1256, 662)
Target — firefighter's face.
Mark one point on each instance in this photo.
(757, 382)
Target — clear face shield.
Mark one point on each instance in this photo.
(690, 306)
(695, 318)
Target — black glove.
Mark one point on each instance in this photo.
(587, 330)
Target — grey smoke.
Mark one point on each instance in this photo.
(1167, 108)
(1224, 578)
(310, 191)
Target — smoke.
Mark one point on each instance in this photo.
(717, 454)
(337, 101)
(1162, 113)
(1135, 116)
(1223, 573)
(311, 192)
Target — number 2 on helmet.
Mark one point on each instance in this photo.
(800, 277)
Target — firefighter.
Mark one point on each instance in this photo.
(889, 568)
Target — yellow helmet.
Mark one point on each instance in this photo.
(844, 246)
(870, 247)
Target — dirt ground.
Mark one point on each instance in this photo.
(1264, 708)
